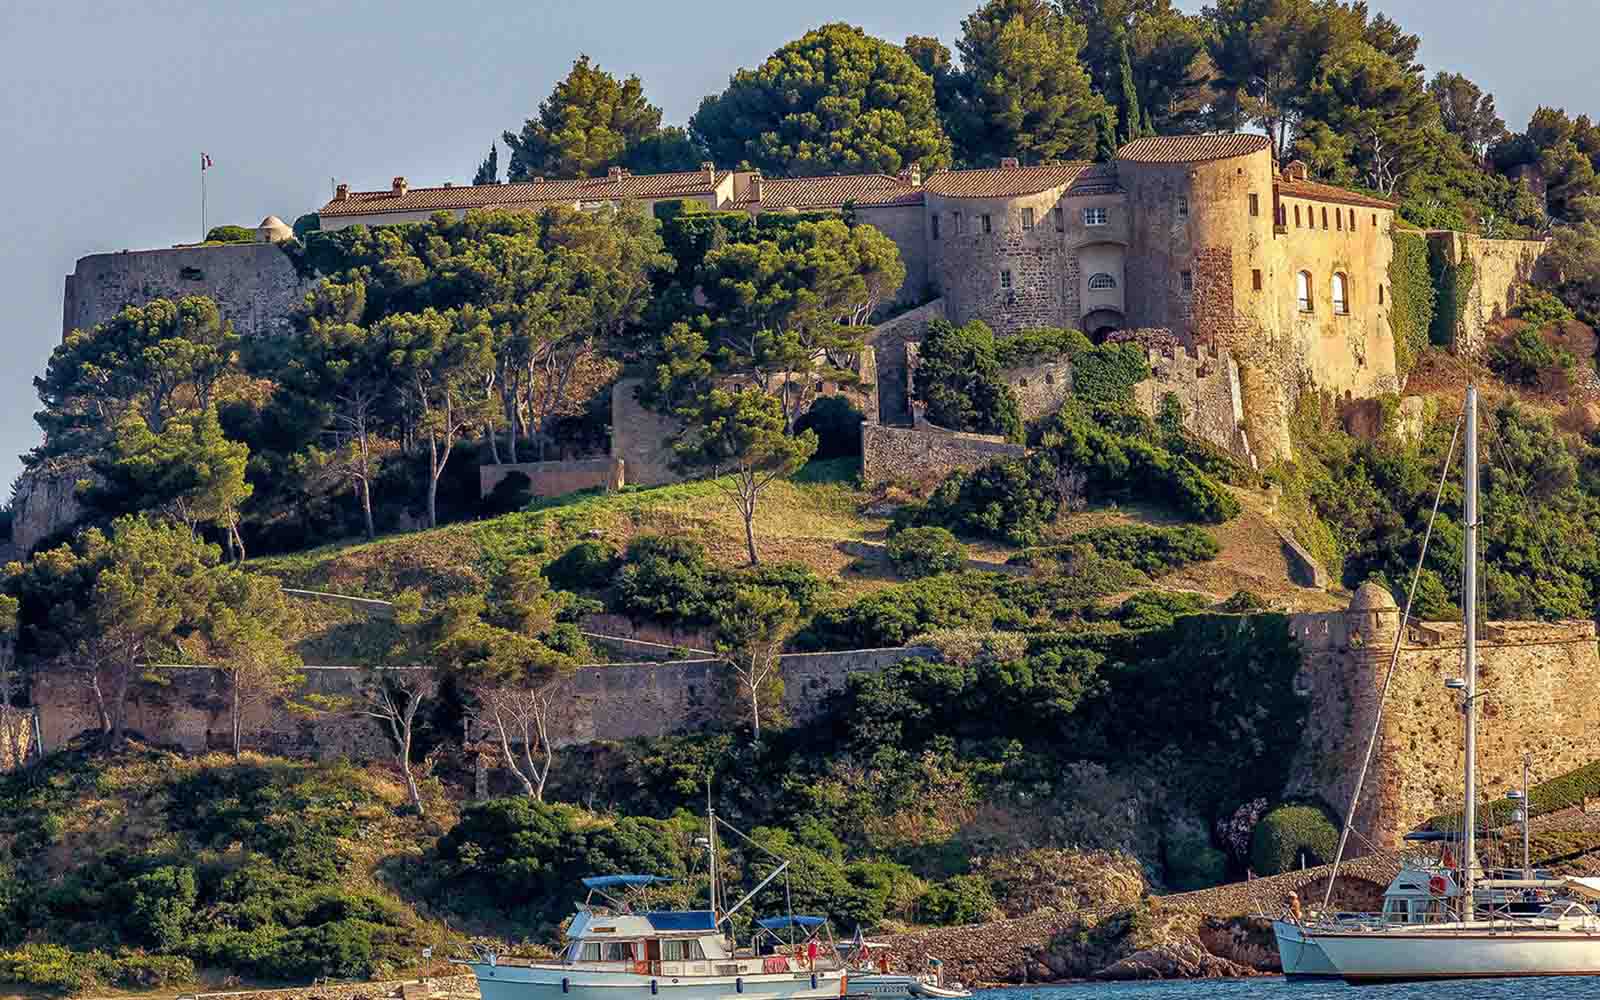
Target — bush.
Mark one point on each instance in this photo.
(1192, 863)
(1028, 347)
(512, 493)
(837, 423)
(161, 905)
(794, 580)
(669, 579)
(918, 552)
(1524, 358)
(1153, 550)
(960, 899)
(230, 234)
(588, 565)
(1289, 833)
(1106, 375)
(958, 379)
(1010, 500)
(1540, 308)
(1117, 465)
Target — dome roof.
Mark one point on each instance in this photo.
(274, 229)
(1373, 597)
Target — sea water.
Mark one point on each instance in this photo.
(1277, 988)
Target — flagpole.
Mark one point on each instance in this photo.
(202, 197)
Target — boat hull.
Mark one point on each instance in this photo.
(1301, 957)
(890, 986)
(554, 982)
(1387, 957)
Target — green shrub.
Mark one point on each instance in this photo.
(837, 422)
(1106, 375)
(230, 234)
(310, 222)
(147, 971)
(1118, 465)
(669, 579)
(1290, 833)
(1540, 308)
(960, 899)
(1524, 357)
(918, 552)
(1028, 347)
(1010, 500)
(794, 579)
(161, 905)
(1192, 863)
(588, 565)
(47, 967)
(958, 379)
(512, 493)
(1153, 550)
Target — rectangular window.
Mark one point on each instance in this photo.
(1380, 295)
(619, 951)
(1302, 290)
(960, 224)
(936, 225)
(1061, 222)
(988, 223)
(1186, 281)
(1255, 280)
(1255, 204)
(1374, 220)
(591, 952)
(1324, 217)
(1027, 218)
(1297, 216)
(1352, 220)
(1094, 216)
(1183, 207)
(1005, 279)
(682, 951)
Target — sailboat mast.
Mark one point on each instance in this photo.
(711, 844)
(1469, 603)
(1527, 869)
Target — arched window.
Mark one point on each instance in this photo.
(1102, 280)
(1341, 299)
(1302, 290)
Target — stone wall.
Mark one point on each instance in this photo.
(1500, 267)
(1533, 679)
(1041, 388)
(641, 438)
(254, 284)
(554, 479)
(971, 268)
(906, 225)
(1204, 382)
(926, 453)
(889, 340)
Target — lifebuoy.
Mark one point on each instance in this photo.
(641, 968)
(1436, 885)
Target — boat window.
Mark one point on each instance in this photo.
(682, 951)
(619, 951)
(591, 952)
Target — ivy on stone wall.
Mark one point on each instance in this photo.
(1452, 283)
(1106, 375)
(1412, 296)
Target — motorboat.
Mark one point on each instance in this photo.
(870, 975)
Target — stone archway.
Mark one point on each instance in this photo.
(1101, 322)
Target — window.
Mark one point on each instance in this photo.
(591, 952)
(1255, 204)
(988, 223)
(960, 226)
(1341, 303)
(1027, 218)
(936, 225)
(1005, 279)
(1338, 220)
(1094, 216)
(1061, 222)
(682, 951)
(1352, 220)
(1183, 207)
(1324, 217)
(1102, 280)
(619, 951)
(1302, 290)
(1374, 220)
(1380, 295)
(1186, 281)
(1297, 216)
(1255, 280)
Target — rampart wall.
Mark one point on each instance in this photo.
(926, 452)
(554, 479)
(255, 285)
(1499, 267)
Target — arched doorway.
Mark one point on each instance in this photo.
(1099, 323)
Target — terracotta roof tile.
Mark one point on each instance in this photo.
(625, 187)
(1003, 182)
(1327, 192)
(1192, 148)
(835, 191)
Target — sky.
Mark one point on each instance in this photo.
(105, 107)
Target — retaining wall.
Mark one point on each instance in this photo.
(554, 479)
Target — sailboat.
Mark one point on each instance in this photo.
(1459, 931)
(615, 950)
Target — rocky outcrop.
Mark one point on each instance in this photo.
(45, 503)
(1184, 959)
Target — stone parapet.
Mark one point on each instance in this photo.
(554, 479)
(891, 454)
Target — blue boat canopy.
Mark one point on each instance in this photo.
(612, 881)
(775, 923)
(682, 920)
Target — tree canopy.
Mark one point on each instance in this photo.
(590, 121)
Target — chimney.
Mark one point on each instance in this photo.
(535, 180)
(447, 184)
(615, 173)
(1009, 163)
(341, 193)
(755, 186)
(398, 186)
(710, 170)
(912, 175)
(1295, 171)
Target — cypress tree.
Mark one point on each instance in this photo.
(1106, 136)
(1132, 118)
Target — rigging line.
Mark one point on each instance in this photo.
(1394, 660)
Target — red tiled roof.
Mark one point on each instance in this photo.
(623, 188)
(1192, 148)
(1003, 182)
(1313, 191)
(1098, 179)
(835, 191)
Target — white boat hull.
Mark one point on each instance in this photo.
(892, 987)
(1302, 958)
(1403, 956)
(557, 982)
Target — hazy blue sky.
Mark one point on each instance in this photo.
(105, 107)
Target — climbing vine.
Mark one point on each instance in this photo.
(1412, 293)
(1452, 283)
(1107, 374)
